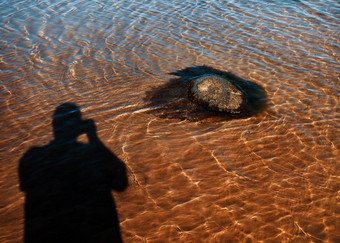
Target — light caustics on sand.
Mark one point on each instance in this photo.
(272, 175)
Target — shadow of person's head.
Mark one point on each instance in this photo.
(66, 122)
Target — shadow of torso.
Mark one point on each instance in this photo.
(68, 193)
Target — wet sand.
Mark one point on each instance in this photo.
(269, 177)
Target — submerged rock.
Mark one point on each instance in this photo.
(217, 93)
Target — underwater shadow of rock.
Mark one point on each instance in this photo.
(171, 99)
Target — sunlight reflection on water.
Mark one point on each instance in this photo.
(273, 176)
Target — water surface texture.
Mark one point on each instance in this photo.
(271, 177)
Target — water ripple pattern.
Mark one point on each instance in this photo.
(272, 177)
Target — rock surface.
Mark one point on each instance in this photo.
(217, 93)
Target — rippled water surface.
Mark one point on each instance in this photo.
(272, 177)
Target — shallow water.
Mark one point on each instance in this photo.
(271, 177)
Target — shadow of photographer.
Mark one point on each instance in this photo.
(68, 184)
